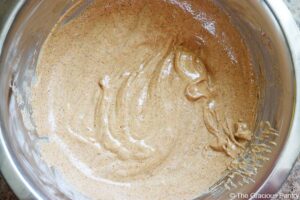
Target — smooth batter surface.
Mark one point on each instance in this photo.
(144, 99)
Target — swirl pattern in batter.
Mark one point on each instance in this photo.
(144, 99)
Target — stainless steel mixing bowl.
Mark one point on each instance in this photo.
(270, 33)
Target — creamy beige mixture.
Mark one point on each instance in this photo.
(144, 99)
